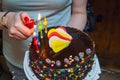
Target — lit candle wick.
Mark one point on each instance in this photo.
(34, 34)
(39, 17)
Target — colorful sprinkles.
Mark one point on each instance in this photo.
(77, 73)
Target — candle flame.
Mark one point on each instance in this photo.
(39, 17)
(34, 34)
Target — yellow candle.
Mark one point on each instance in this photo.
(45, 23)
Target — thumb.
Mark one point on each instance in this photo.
(25, 17)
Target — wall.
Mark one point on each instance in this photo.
(106, 35)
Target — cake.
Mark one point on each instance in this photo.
(61, 53)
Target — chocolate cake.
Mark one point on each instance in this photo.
(63, 53)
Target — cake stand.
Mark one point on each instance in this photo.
(92, 75)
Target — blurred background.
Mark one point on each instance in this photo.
(107, 32)
(104, 22)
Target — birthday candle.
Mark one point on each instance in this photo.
(44, 41)
(35, 42)
(34, 34)
(40, 27)
(45, 23)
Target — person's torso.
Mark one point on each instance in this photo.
(33, 4)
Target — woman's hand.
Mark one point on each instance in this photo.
(16, 25)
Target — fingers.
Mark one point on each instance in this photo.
(17, 35)
(19, 30)
(24, 30)
(27, 29)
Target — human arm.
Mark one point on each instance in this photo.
(79, 14)
(15, 24)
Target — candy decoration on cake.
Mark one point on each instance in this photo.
(60, 32)
(58, 39)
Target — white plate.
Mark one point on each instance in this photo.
(92, 75)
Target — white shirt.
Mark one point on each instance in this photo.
(58, 12)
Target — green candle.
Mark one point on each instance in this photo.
(40, 27)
